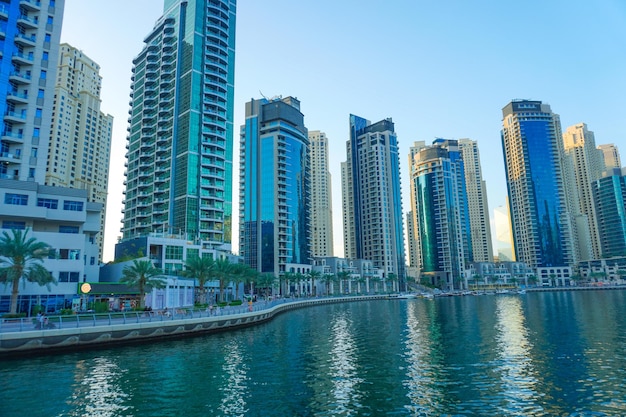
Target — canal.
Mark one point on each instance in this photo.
(538, 354)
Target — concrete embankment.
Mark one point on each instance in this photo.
(69, 339)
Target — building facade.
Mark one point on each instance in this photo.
(533, 151)
(609, 193)
(477, 203)
(80, 145)
(610, 154)
(321, 196)
(442, 226)
(275, 181)
(583, 164)
(180, 135)
(371, 197)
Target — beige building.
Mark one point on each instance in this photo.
(321, 196)
(583, 164)
(80, 148)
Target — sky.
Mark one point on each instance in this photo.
(439, 69)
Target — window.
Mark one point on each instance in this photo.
(73, 205)
(71, 254)
(68, 229)
(16, 199)
(43, 74)
(68, 276)
(47, 203)
(8, 224)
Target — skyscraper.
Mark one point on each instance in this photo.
(61, 217)
(372, 202)
(610, 196)
(478, 206)
(583, 164)
(533, 149)
(321, 196)
(275, 197)
(30, 47)
(440, 204)
(81, 134)
(611, 157)
(180, 135)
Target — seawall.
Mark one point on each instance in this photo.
(31, 342)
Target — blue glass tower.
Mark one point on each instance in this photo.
(180, 137)
(275, 196)
(532, 144)
(442, 213)
(609, 195)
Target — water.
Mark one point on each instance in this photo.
(539, 354)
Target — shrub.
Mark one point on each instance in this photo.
(14, 316)
(235, 303)
(66, 312)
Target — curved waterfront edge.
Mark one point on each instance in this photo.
(70, 339)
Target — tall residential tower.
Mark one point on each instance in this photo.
(533, 150)
(321, 196)
(275, 196)
(180, 137)
(372, 202)
(80, 143)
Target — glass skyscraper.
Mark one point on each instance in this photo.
(275, 197)
(533, 149)
(180, 135)
(371, 197)
(440, 204)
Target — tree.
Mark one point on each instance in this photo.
(341, 277)
(200, 268)
(314, 276)
(328, 278)
(144, 276)
(242, 273)
(266, 280)
(22, 258)
(223, 271)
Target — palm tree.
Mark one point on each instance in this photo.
(224, 272)
(201, 269)
(144, 276)
(314, 276)
(328, 278)
(266, 280)
(242, 273)
(22, 258)
(341, 277)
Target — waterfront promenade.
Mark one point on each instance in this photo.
(19, 336)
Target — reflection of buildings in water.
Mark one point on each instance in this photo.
(343, 367)
(422, 370)
(235, 387)
(517, 374)
(98, 391)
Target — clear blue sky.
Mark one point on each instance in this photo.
(437, 68)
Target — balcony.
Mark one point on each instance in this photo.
(20, 77)
(32, 5)
(27, 22)
(15, 117)
(8, 158)
(15, 97)
(24, 40)
(23, 59)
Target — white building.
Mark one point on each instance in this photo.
(321, 200)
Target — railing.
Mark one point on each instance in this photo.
(82, 320)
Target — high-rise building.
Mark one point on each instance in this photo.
(30, 46)
(61, 217)
(583, 164)
(439, 201)
(610, 196)
(80, 144)
(371, 197)
(180, 134)
(275, 181)
(611, 157)
(478, 206)
(321, 196)
(533, 150)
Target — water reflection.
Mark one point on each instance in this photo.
(420, 353)
(98, 389)
(235, 388)
(518, 379)
(343, 369)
